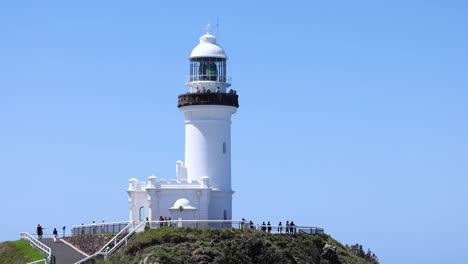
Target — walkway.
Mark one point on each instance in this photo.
(62, 252)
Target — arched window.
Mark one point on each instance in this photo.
(142, 213)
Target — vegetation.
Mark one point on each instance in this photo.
(359, 251)
(206, 245)
(18, 252)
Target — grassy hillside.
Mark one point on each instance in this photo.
(18, 252)
(205, 245)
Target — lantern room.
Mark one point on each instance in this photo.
(208, 66)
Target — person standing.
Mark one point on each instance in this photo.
(94, 230)
(269, 227)
(287, 227)
(55, 234)
(39, 231)
(280, 228)
(293, 228)
(161, 221)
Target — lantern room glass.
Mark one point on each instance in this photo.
(208, 69)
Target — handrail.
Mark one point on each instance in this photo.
(208, 78)
(85, 259)
(38, 261)
(37, 244)
(124, 239)
(114, 239)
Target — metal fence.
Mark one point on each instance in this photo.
(102, 228)
(196, 223)
(116, 227)
(238, 224)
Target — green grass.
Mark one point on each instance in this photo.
(208, 245)
(18, 252)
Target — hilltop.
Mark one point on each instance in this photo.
(18, 252)
(206, 245)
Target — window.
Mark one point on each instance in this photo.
(208, 69)
(142, 213)
(224, 148)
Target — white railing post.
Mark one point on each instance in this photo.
(39, 245)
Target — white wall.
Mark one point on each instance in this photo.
(220, 201)
(207, 128)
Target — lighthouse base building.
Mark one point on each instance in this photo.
(178, 199)
(201, 189)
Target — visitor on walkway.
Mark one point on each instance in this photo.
(288, 226)
(269, 227)
(263, 227)
(94, 229)
(39, 231)
(55, 234)
(280, 228)
(293, 228)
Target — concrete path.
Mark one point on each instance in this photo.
(62, 252)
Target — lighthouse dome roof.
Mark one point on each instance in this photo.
(184, 203)
(208, 48)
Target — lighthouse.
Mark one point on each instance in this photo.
(202, 187)
(207, 108)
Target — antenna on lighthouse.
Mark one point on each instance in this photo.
(209, 28)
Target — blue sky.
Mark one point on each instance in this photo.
(353, 115)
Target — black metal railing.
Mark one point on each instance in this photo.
(211, 98)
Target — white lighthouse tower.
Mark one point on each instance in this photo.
(202, 188)
(208, 108)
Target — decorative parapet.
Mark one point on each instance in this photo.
(154, 183)
(205, 182)
(136, 185)
(212, 98)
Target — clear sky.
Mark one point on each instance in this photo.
(353, 114)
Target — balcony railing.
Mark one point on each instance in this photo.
(211, 98)
(208, 78)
